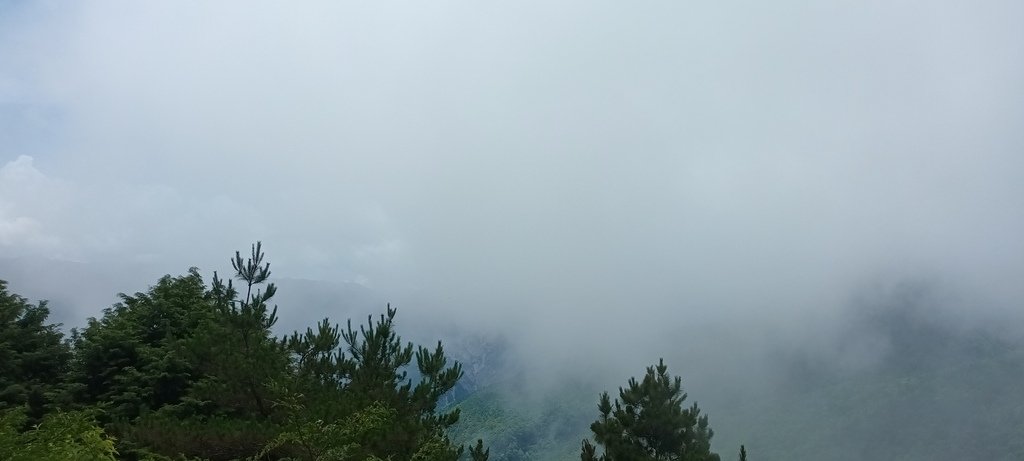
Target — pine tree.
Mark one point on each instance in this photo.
(182, 371)
(313, 439)
(477, 453)
(743, 453)
(343, 372)
(239, 367)
(239, 356)
(376, 367)
(649, 423)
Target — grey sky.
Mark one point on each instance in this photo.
(591, 164)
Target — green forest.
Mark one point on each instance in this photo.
(191, 370)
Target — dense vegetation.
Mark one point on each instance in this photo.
(191, 371)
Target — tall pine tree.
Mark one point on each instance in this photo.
(240, 358)
(376, 368)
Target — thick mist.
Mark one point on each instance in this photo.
(598, 183)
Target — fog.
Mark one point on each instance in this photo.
(602, 183)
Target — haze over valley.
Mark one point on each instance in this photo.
(812, 212)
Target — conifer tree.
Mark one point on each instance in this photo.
(478, 453)
(33, 355)
(743, 453)
(375, 366)
(240, 357)
(182, 371)
(131, 360)
(649, 423)
(238, 366)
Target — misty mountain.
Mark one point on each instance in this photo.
(932, 388)
(923, 387)
(300, 300)
(75, 290)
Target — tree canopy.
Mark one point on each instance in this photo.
(192, 370)
(33, 355)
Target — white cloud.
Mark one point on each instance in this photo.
(19, 230)
(20, 172)
(27, 198)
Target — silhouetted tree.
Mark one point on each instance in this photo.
(478, 453)
(648, 423)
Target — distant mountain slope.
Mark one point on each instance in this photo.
(938, 392)
(515, 430)
(962, 409)
(941, 390)
(303, 302)
(75, 290)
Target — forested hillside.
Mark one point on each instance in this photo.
(190, 370)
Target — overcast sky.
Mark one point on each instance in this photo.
(597, 163)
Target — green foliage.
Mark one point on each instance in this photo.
(33, 355)
(60, 436)
(371, 368)
(239, 358)
(648, 423)
(132, 359)
(318, 363)
(346, 376)
(743, 453)
(540, 430)
(236, 363)
(345, 373)
(317, 440)
(183, 371)
(172, 435)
